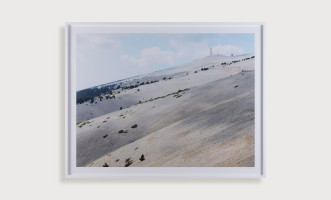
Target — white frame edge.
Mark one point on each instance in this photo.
(67, 167)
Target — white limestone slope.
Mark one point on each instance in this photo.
(179, 80)
(211, 124)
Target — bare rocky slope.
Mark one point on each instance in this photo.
(203, 118)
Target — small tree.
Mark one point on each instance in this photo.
(142, 157)
(121, 108)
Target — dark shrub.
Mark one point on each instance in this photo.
(128, 162)
(80, 101)
(134, 126)
(142, 158)
(105, 165)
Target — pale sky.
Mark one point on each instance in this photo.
(103, 58)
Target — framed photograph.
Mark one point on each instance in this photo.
(183, 100)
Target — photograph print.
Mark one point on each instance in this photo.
(165, 100)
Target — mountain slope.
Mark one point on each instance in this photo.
(183, 76)
(213, 119)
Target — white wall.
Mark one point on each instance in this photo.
(298, 99)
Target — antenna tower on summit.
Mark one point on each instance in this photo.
(211, 52)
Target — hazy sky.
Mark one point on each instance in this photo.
(103, 58)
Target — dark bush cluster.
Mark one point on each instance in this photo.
(204, 69)
(128, 162)
(89, 94)
(110, 97)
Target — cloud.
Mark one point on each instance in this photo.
(201, 49)
(190, 49)
(96, 43)
(151, 57)
(227, 50)
(87, 41)
(155, 57)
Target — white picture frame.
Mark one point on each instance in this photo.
(71, 171)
